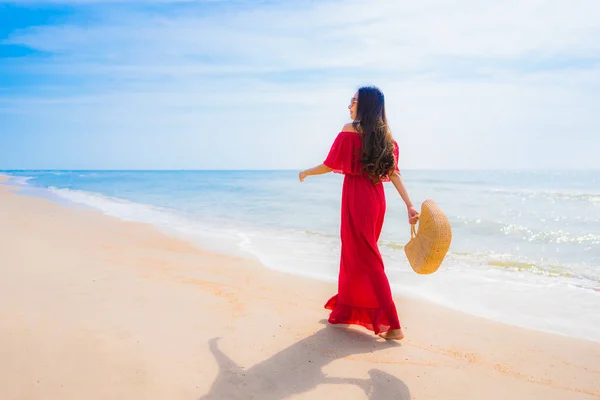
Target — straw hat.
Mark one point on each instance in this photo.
(427, 248)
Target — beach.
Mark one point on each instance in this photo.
(99, 308)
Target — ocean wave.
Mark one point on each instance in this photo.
(583, 276)
(593, 198)
(19, 180)
(113, 206)
(218, 237)
(528, 234)
(521, 266)
(556, 236)
(509, 262)
(319, 234)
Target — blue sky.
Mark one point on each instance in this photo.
(246, 84)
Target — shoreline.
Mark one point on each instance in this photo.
(230, 248)
(98, 300)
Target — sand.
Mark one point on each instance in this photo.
(92, 307)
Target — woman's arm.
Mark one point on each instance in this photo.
(318, 170)
(396, 179)
(413, 214)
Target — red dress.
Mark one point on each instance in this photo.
(364, 295)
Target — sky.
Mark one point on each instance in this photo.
(241, 84)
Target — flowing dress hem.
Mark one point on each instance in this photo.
(374, 319)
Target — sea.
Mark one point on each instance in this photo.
(525, 248)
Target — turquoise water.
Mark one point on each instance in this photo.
(525, 250)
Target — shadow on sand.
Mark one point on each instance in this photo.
(298, 369)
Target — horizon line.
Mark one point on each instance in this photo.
(289, 170)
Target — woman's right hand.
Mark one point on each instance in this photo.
(302, 176)
(413, 215)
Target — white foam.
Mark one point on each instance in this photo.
(115, 207)
(593, 198)
(552, 236)
(294, 253)
(170, 221)
(19, 180)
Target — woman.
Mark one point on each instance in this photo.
(365, 152)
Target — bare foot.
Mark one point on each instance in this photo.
(393, 334)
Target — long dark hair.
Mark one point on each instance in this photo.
(377, 156)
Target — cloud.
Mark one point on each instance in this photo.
(467, 79)
(86, 2)
(381, 35)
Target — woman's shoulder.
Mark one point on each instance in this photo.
(349, 128)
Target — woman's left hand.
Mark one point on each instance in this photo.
(413, 215)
